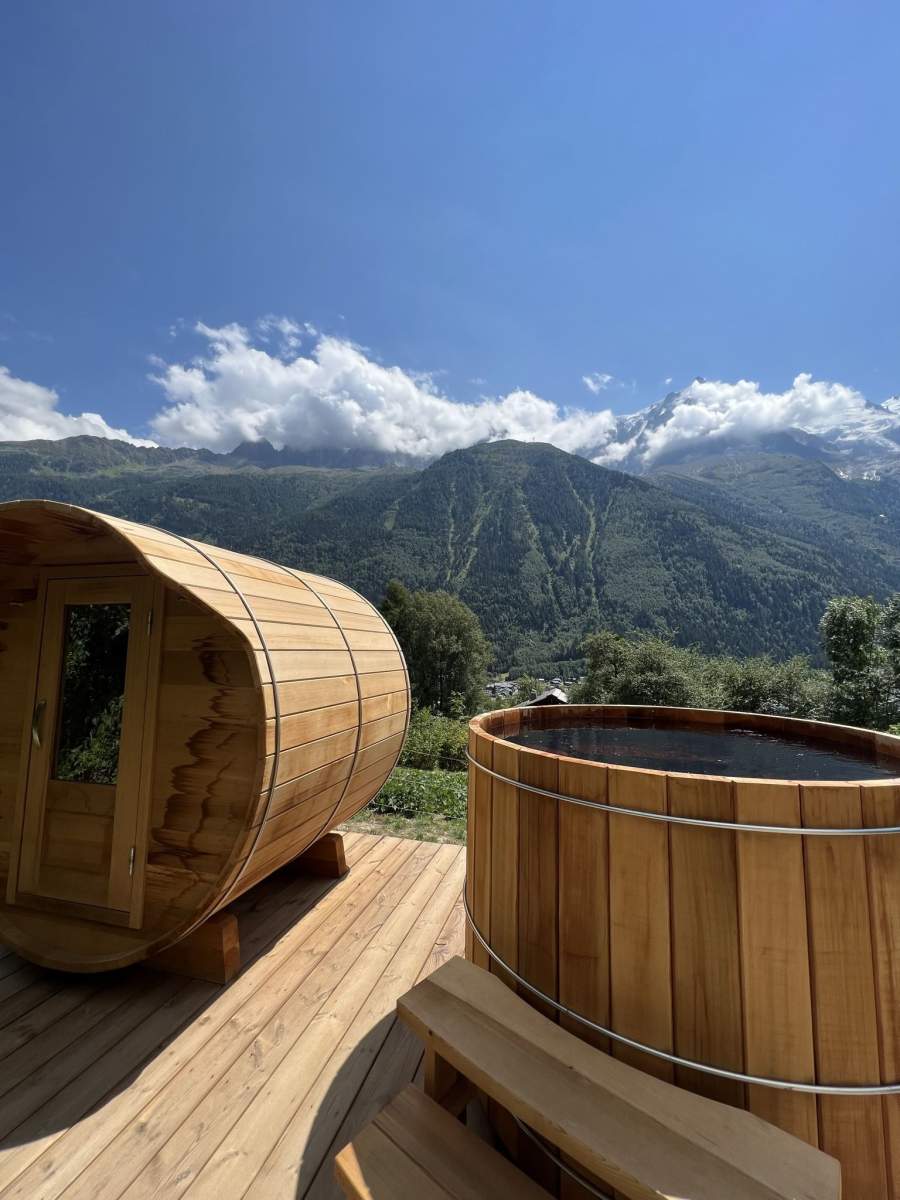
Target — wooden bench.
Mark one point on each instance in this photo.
(639, 1135)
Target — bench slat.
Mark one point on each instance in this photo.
(414, 1147)
(371, 1168)
(648, 1139)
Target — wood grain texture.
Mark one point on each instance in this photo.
(279, 707)
(212, 952)
(414, 1147)
(851, 1128)
(881, 807)
(504, 861)
(640, 932)
(778, 1031)
(479, 864)
(584, 899)
(18, 603)
(760, 953)
(705, 950)
(158, 1100)
(538, 886)
(644, 1137)
(537, 917)
(583, 914)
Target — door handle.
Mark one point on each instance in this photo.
(37, 721)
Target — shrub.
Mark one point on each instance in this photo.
(651, 670)
(410, 793)
(434, 741)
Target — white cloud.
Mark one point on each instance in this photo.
(289, 383)
(287, 333)
(597, 381)
(336, 396)
(614, 453)
(713, 408)
(29, 410)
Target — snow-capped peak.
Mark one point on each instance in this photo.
(813, 419)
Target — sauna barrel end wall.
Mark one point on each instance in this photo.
(766, 954)
(274, 707)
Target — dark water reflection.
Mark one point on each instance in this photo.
(712, 751)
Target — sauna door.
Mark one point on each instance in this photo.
(81, 799)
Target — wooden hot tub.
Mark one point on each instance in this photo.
(765, 956)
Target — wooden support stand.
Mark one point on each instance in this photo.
(444, 1084)
(324, 857)
(212, 952)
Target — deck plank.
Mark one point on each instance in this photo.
(397, 1064)
(43, 1009)
(292, 1164)
(23, 976)
(238, 1158)
(145, 1106)
(93, 1013)
(37, 1098)
(26, 1001)
(186, 1155)
(153, 1093)
(9, 964)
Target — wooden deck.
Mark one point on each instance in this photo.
(145, 1085)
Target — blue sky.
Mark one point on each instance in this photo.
(505, 197)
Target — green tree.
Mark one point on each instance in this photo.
(395, 604)
(93, 685)
(649, 670)
(851, 630)
(445, 648)
(526, 689)
(890, 635)
(608, 655)
(660, 673)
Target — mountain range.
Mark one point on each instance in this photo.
(859, 440)
(735, 549)
(856, 439)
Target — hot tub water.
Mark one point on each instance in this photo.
(744, 753)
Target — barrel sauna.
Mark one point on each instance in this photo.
(770, 955)
(176, 722)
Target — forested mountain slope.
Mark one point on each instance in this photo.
(855, 521)
(544, 545)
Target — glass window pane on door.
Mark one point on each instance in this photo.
(92, 688)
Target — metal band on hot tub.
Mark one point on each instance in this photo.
(787, 1085)
(668, 819)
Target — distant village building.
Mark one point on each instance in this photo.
(553, 695)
